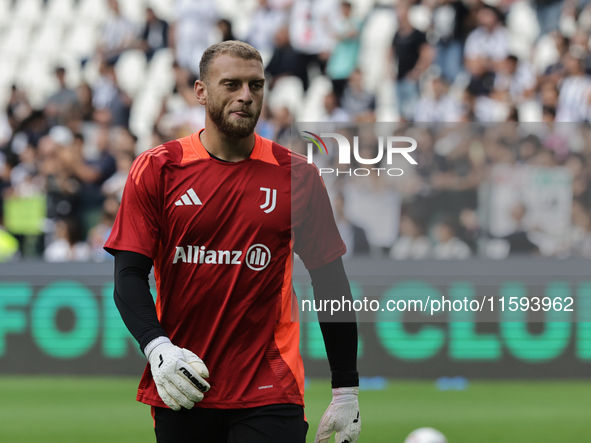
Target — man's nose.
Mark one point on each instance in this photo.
(245, 95)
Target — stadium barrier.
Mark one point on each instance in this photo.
(61, 319)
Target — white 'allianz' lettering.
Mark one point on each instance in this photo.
(200, 255)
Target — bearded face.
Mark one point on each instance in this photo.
(234, 120)
(232, 91)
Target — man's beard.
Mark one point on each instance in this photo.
(239, 128)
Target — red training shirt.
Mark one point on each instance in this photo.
(222, 237)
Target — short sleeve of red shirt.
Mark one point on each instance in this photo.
(317, 239)
(136, 227)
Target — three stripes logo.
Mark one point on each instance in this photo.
(189, 198)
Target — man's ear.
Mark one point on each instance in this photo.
(201, 92)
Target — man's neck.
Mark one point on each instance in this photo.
(224, 148)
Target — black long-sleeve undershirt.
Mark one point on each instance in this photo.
(137, 309)
(133, 297)
(339, 332)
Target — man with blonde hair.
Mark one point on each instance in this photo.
(219, 215)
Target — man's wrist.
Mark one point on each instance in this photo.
(344, 379)
(154, 344)
(344, 395)
(352, 390)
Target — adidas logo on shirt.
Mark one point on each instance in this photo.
(189, 198)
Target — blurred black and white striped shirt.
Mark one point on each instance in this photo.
(444, 109)
(573, 99)
(491, 45)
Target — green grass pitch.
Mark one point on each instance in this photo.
(100, 409)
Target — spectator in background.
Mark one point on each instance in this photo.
(575, 89)
(155, 34)
(426, 196)
(264, 24)
(117, 35)
(97, 238)
(516, 80)
(556, 142)
(24, 181)
(449, 31)
(439, 106)
(283, 120)
(91, 174)
(376, 202)
(114, 185)
(60, 104)
(195, 23)
(29, 131)
(311, 34)
(84, 108)
(284, 61)
(481, 104)
(333, 111)
(544, 159)
(555, 71)
(18, 107)
(111, 206)
(470, 230)
(184, 115)
(5, 129)
(108, 96)
(548, 94)
(265, 127)
(356, 101)
(487, 45)
(447, 245)
(343, 59)
(62, 188)
(413, 56)
(548, 14)
(225, 28)
(353, 236)
(519, 242)
(98, 235)
(579, 44)
(578, 240)
(528, 148)
(548, 114)
(124, 140)
(576, 163)
(412, 243)
(67, 245)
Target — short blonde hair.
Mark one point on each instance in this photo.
(231, 47)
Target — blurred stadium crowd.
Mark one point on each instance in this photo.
(87, 85)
